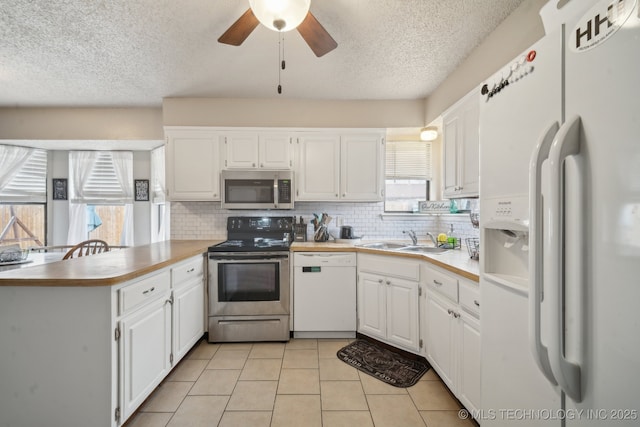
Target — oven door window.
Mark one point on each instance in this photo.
(249, 191)
(258, 281)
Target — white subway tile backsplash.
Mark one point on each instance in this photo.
(206, 220)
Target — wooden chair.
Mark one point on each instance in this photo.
(88, 247)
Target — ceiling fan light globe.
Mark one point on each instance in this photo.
(280, 15)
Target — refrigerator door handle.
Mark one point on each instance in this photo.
(536, 252)
(567, 373)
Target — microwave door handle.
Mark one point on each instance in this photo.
(276, 200)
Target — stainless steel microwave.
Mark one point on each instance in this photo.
(257, 189)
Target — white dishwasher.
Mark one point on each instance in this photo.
(324, 295)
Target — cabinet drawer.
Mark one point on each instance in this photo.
(390, 266)
(470, 297)
(443, 283)
(145, 290)
(183, 273)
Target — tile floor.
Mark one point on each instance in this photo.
(300, 383)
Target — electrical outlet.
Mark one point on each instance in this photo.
(339, 221)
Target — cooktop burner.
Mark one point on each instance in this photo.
(249, 234)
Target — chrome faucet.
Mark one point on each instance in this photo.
(433, 239)
(412, 235)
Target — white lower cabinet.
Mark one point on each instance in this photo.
(388, 300)
(146, 350)
(187, 282)
(161, 316)
(451, 331)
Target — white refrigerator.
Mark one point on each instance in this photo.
(560, 226)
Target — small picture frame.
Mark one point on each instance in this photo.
(141, 187)
(59, 186)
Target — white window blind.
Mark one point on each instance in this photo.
(109, 181)
(408, 160)
(29, 184)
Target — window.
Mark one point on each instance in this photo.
(101, 197)
(159, 209)
(407, 175)
(23, 196)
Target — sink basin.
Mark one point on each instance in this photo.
(382, 245)
(424, 249)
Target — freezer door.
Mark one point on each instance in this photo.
(602, 319)
(521, 101)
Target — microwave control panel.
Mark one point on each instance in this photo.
(284, 191)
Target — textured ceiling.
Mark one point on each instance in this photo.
(136, 52)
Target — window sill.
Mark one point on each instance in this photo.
(388, 216)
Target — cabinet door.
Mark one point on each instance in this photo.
(193, 165)
(402, 313)
(372, 305)
(275, 151)
(440, 332)
(146, 350)
(318, 167)
(188, 317)
(469, 355)
(241, 150)
(450, 153)
(361, 176)
(470, 147)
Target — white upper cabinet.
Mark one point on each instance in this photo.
(257, 150)
(361, 175)
(192, 164)
(318, 168)
(334, 167)
(461, 148)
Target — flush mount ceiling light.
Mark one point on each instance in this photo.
(280, 15)
(429, 133)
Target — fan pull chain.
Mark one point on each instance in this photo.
(280, 59)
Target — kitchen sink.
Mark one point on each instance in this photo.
(424, 249)
(382, 245)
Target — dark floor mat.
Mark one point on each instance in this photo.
(385, 365)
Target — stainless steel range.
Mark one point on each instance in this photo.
(249, 287)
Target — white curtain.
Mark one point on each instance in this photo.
(122, 163)
(12, 159)
(81, 172)
(80, 167)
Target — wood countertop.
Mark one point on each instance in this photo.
(106, 269)
(456, 261)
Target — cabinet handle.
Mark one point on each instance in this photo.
(170, 300)
(191, 270)
(449, 311)
(336, 194)
(253, 165)
(456, 315)
(388, 282)
(261, 165)
(344, 195)
(380, 280)
(437, 283)
(476, 302)
(149, 290)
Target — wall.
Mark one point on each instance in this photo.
(516, 33)
(81, 123)
(206, 220)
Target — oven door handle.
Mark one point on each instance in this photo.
(248, 258)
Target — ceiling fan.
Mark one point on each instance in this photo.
(281, 16)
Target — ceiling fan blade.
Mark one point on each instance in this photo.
(240, 30)
(316, 36)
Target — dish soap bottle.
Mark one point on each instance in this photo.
(452, 239)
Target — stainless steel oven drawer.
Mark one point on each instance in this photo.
(248, 328)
